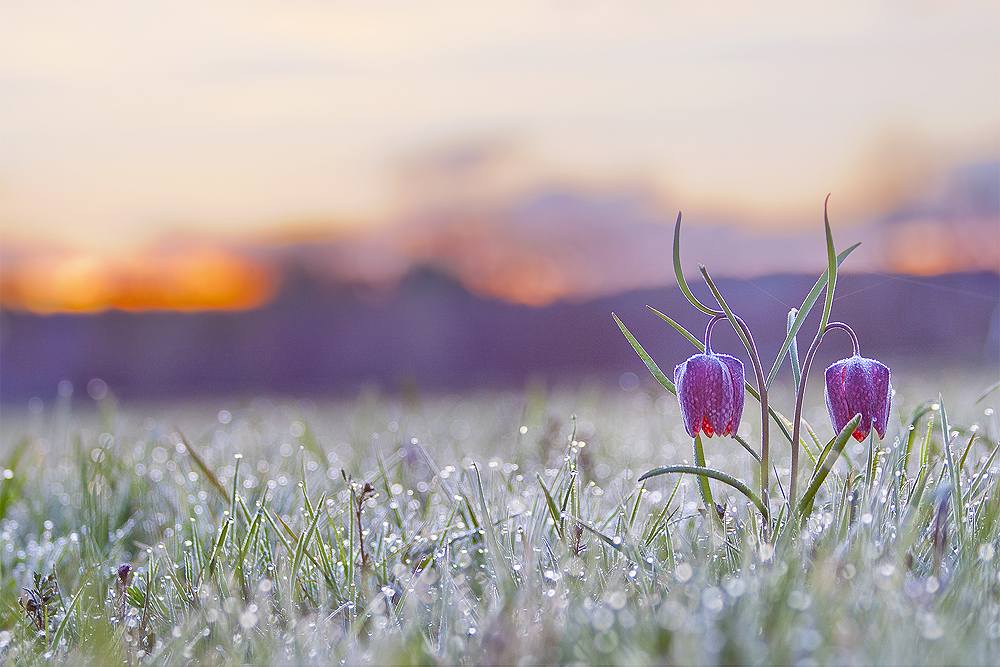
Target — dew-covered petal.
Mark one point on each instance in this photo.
(859, 385)
(836, 396)
(860, 391)
(882, 395)
(738, 377)
(705, 393)
(692, 424)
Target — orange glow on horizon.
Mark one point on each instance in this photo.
(190, 279)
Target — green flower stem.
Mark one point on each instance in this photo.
(706, 490)
(837, 446)
(744, 332)
(800, 395)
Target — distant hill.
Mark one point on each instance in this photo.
(321, 337)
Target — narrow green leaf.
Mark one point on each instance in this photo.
(303, 544)
(250, 537)
(658, 523)
(57, 636)
(205, 470)
(793, 350)
(650, 364)
(956, 489)
(635, 507)
(680, 273)
(504, 578)
(197, 548)
(553, 510)
(714, 474)
(831, 253)
(984, 471)
(986, 393)
(706, 490)
(915, 496)
(217, 548)
(684, 332)
(965, 454)
(291, 533)
(838, 443)
(925, 448)
(619, 544)
(472, 514)
(911, 431)
(804, 309)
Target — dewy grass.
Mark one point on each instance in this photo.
(549, 528)
(491, 530)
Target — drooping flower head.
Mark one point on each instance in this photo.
(710, 391)
(858, 384)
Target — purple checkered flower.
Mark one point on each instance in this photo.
(710, 391)
(858, 384)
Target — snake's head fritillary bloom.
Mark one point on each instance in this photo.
(710, 391)
(859, 385)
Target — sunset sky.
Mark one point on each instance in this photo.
(121, 123)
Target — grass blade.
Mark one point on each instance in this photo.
(635, 506)
(793, 350)
(650, 364)
(218, 547)
(680, 273)
(989, 390)
(504, 578)
(714, 474)
(303, 544)
(831, 270)
(983, 473)
(205, 470)
(804, 309)
(805, 503)
(956, 477)
(703, 487)
(57, 636)
(551, 504)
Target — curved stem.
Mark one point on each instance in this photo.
(800, 394)
(708, 331)
(764, 423)
(744, 332)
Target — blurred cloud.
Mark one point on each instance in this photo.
(124, 122)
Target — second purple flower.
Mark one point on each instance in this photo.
(858, 384)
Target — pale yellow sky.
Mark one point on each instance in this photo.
(120, 122)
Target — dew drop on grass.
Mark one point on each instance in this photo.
(617, 600)
(683, 572)
(799, 600)
(930, 628)
(712, 599)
